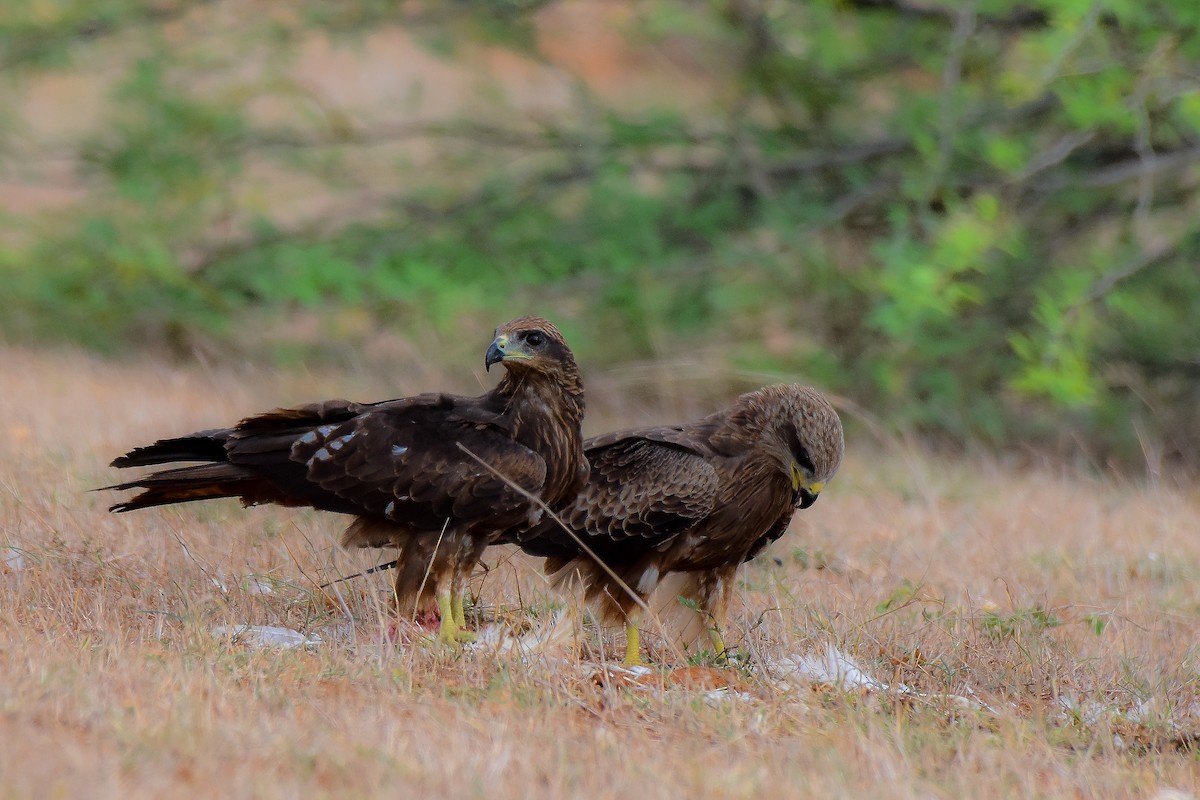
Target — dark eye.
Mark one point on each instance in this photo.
(535, 338)
(799, 453)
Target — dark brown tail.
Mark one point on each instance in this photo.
(185, 484)
(200, 446)
(218, 478)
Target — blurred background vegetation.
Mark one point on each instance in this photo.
(975, 220)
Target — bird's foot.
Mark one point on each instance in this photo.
(452, 634)
(451, 631)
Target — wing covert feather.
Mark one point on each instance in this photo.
(643, 488)
(400, 459)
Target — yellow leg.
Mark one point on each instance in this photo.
(448, 631)
(456, 606)
(718, 642)
(633, 648)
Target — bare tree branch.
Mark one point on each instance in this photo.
(948, 119)
(1018, 18)
(1138, 167)
(16, 51)
(1144, 260)
(1058, 153)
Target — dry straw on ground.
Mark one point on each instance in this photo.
(986, 629)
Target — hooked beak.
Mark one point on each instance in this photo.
(805, 492)
(495, 352)
(504, 349)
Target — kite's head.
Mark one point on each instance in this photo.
(807, 438)
(531, 344)
(537, 360)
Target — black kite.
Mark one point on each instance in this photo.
(399, 466)
(700, 498)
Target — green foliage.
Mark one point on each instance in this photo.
(1021, 623)
(1096, 623)
(976, 221)
(903, 595)
(816, 559)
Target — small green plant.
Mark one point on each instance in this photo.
(1019, 623)
(901, 596)
(1096, 623)
(812, 559)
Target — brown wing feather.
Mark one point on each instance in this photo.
(402, 461)
(351, 458)
(640, 490)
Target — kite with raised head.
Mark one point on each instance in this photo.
(410, 469)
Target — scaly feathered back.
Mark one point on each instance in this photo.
(701, 497)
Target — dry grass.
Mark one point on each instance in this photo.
(1067, 605)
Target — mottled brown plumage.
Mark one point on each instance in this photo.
(699, 498)
(399, 465)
